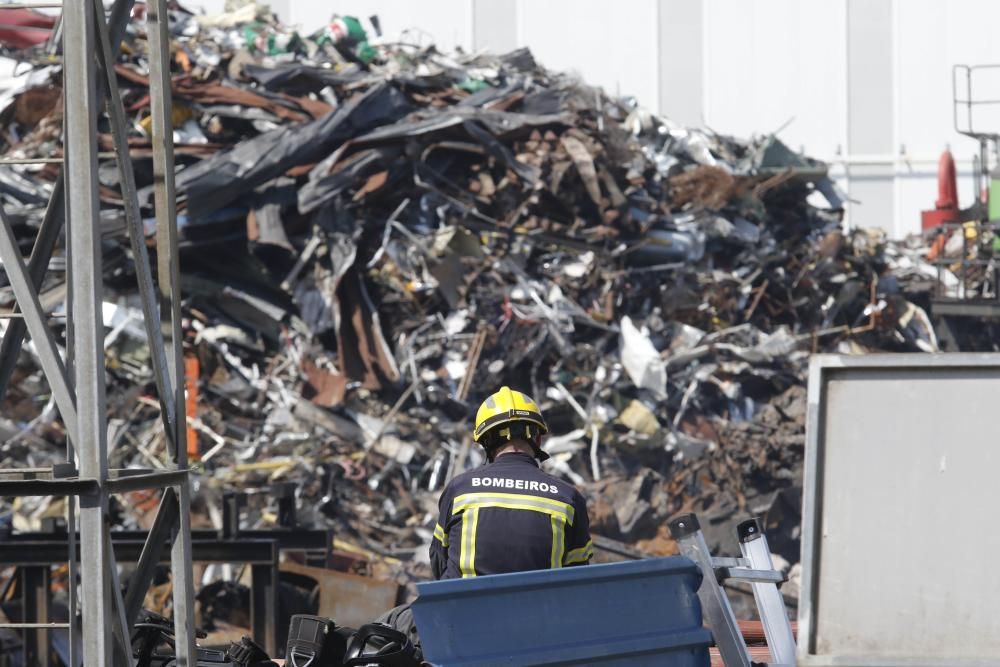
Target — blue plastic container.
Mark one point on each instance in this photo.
(636, 613)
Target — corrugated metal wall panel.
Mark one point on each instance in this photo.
(613, 45)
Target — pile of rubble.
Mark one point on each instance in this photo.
(376, 236)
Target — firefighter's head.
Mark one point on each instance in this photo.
(508, 416)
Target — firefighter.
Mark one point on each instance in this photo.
(508, 515)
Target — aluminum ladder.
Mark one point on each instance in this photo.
(754, 567)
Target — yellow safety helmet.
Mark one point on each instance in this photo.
(506, 407)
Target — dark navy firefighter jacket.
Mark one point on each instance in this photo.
(509, 516)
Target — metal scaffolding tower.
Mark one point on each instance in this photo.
(76, 376)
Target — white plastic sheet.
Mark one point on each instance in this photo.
(641, 360)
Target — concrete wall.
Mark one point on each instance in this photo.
(864, 84)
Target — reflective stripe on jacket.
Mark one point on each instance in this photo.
(509, 516)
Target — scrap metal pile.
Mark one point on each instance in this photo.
(375, 236)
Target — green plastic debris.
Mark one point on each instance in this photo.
(250, 36)
(472, 85)
(347, 32)
(348, 27)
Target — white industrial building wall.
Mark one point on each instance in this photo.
(863, 84)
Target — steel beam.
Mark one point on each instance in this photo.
(168, 274)
(122, 628)
(264, 605)
(118, 18)
(73, 566)
(984, 308)
(150, 480)
(168, 264)
(133, 218)
(156, 540)
(44, 482)
(38, 263)
(121, 11)
(34, 319)
(51, 552)
(49, 487)
(79, 90)
(72, 502)
(297, 539)
(35, 608)
(84, 328)
(300, 539)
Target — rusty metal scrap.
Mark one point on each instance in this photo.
(371, 247)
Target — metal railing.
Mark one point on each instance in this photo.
(972, 285)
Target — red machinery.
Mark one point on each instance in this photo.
(946, 207)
